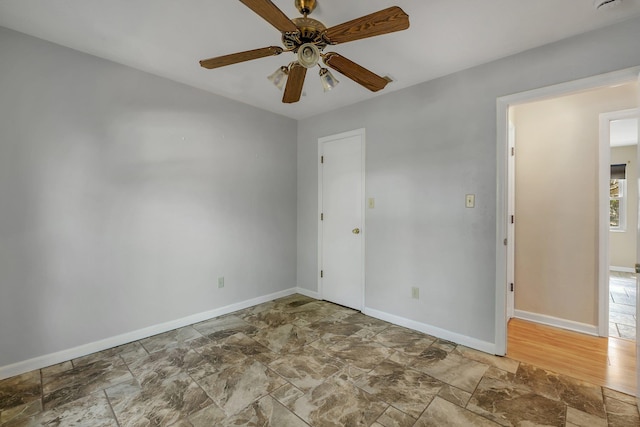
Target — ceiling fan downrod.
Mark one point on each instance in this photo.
(305, 7)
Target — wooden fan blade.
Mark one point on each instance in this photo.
(270, 13)
(295, 81)
(355, 72)
(383, 22)
(234, 58)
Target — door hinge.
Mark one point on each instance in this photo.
(513, 151)
(505, 242)
(321, 159)
(512, 287)
(513, 219)
(321, 217)
(321, 273)
(637, 268)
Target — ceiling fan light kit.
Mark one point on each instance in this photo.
(327, 79)
(308, 55)
(307, 38)
(279, 77)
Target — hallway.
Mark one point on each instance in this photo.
(608, 362)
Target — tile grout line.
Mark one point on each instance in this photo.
(465, 407)
(266, 365)
(113, 412)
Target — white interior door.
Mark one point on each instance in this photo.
(342, 225)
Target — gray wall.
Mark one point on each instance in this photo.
(427, 146)
(123, 196)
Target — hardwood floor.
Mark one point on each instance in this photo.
(609, 362)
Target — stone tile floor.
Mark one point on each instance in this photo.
(622, 305)
(300, 362)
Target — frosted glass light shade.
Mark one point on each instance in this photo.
(327, 79)
(279, 77)
(308, 55)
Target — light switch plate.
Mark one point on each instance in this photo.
(470, 200)
(372, 203)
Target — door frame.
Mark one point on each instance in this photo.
(511, 210)
(502, 197)
(362, 134)
(636, 268)
(603, 180)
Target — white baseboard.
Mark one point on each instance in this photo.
(85, 349)
(474, 343)
(570, 325)
(622, 269)
(308, 293)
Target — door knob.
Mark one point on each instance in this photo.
(356, 231)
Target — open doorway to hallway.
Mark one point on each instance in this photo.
(621, 128)
(563, 227)
(560, 225)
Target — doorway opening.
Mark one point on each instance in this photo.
(560, 233)
(534, 299)
(619, 130)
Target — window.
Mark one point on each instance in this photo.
(617, 198)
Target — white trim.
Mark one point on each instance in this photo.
(638, 261)
(630, 113)
(362, 134)
(502, 104)
(604, 176)
(502, 215)
(570, 325)
(320, 246)
(308, 293)
(444, 334)
(622, 269)
(511, 227)
(547, 92)
(85, 349)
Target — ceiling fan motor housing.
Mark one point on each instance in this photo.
(309, 31)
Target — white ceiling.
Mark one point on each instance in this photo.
(168, 37)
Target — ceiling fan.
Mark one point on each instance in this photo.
(307, 38)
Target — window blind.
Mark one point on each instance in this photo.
(619, 171)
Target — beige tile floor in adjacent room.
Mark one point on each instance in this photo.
(622, 305)
(300, 362)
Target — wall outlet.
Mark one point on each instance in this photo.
(415, 293)
(372, 203)
(221, 282)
